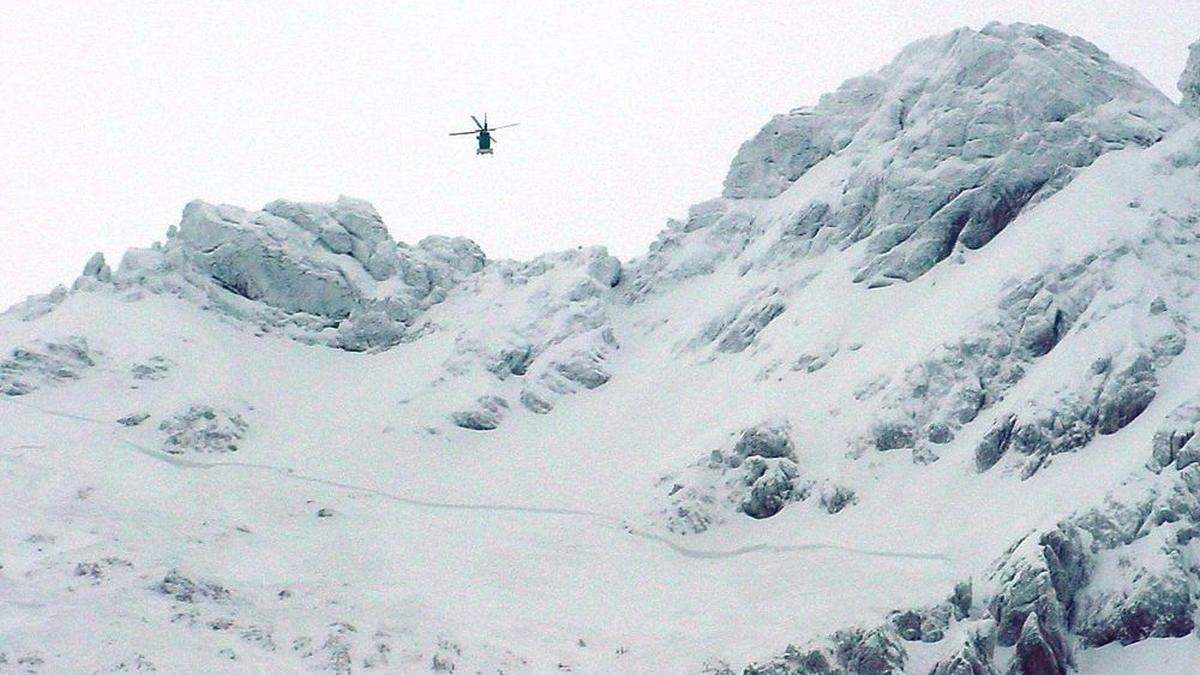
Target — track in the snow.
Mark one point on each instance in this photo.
(675, 546)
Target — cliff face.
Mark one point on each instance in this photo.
(914, 395)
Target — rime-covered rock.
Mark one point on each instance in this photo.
(1038, 575)
(184, 589)
(1142, 590)
(1175, 434)
(1111, 393)
(97, 269)
(1039, 652)
(306, 265)
(736, 328)
(853, 651)
(974, 656)
(756, 474)
(28, 368)
(203, 429)
(485, 415)
(951, 386)
(947, 144)
(1189, 81)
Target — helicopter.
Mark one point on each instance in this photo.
(483, 134)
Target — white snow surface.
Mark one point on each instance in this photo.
(280, 441)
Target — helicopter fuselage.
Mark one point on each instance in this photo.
(485, 143)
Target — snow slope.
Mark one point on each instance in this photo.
(915, 395)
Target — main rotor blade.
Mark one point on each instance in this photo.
(505, 126)
(485, 121)
(463, 133)
(477, 121)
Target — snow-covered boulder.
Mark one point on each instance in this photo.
(755, 473)
(202, 429)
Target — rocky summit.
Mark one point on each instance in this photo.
(915, 394)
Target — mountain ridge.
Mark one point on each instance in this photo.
(945, 444)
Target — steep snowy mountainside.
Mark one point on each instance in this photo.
(281, 441)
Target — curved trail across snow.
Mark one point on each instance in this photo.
(675, 546)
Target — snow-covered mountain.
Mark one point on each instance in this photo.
(916, 394)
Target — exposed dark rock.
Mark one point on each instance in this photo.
(133, 419)
(848, 652)
(1175, 432)
(768, 440)
(962, 599)
(756, 474)
(512, 361)
(154, 368)
(487, 414)
(834, 498)
(203, 429)
(771, 483)
(875, 651)
(535, 403)
(1148, 602)
(1126, 395)
(187, 590)
(1039, 652)
(28, 368)
(995, 443)
(1039, 575)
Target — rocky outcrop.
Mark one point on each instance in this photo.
(757, 474)
(1189, 81)
(330, 270)
(974, 657)
(1116, 390)
(951, 386)
(96, 268)
(552, 335)
(203, 429)
(1039, 651)
(853, 651)
(28, 368)
(1173, 442)
(1035, 584)
(485, 415)
(736, 328)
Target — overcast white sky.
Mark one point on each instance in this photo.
(114, 114)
